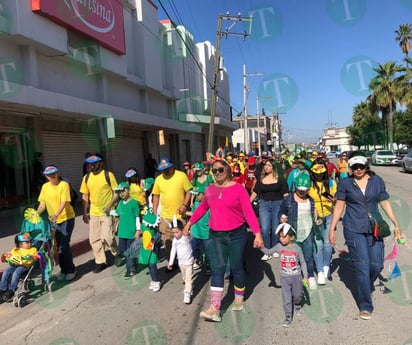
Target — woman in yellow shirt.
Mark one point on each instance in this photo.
(55, 198)
(343, 165)
(322, 192)
(136, 191)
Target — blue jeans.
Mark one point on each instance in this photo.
(15, 272)
(224, 246)
(307, 249)
(269, 220)
(367, 256)
(63, 235)
(322, 246)
(124, 244)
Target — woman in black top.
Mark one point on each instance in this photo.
(271, 188)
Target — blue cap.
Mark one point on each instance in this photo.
(50, 170)
(130, 173)
(94, 158)
(24, 237)
(164, 164)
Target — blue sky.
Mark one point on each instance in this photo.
(317, 56)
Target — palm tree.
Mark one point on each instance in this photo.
(404, 34)
(367, 124)
(386, 92)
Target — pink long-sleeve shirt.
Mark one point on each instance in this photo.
(230, 208)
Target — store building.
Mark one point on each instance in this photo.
(76, 78)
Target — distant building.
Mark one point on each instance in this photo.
(336, 140)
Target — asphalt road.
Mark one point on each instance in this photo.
(106, 309)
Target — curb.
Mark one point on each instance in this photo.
(78, 249)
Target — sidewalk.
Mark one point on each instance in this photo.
(10, 226)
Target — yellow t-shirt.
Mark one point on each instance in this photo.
(137, 193)
(172, 193)
(323, 206)
(53, 195)
(343, 165)
(100, 193)
(20, 253)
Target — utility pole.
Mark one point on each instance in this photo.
(258, 118)
(245, 92)
(219, 35)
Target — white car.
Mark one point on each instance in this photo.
(331, 154)
(384, 157)
(407, 162)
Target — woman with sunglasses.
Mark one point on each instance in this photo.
(360, 194)
(230, 214)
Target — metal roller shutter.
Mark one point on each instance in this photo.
(66, 151)
(126, 152)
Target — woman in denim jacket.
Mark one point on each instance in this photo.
(298, 209)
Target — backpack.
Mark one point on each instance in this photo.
(106, 176)
(73, 194)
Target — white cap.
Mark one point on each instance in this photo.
(285, 227)
(358, 160)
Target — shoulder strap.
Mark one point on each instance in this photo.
(106, 176)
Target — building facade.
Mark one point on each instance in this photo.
(109, 77)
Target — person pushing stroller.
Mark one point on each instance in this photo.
(20, 258)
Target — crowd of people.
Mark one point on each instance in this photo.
(200, 216)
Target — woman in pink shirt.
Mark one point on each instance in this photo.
(230, 214)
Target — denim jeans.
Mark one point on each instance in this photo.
(124, 244)
(269, 220)
(367, 256)
(322, 246)
(307, 249)
(63, 235)
(224, 246)
(15, 272)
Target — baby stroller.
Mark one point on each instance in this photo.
(42, 239)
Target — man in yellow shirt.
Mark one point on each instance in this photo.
(97, 190)
(171, 191)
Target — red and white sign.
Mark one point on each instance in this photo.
(102, 20)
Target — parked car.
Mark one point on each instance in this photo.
(331, 154)
(384, 157)
(407, 162)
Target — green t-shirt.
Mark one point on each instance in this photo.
(127, 211)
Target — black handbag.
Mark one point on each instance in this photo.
(255, 206)
(380, 228)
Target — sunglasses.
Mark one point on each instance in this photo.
(218, 170)
(358, 167)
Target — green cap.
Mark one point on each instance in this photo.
(302, 181)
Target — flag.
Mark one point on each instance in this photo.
(393, 254)
(396, 272)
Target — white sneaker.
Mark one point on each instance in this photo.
(266, 257)
(156, 287)
(71, 276)
(321, 278)
(275, 255)
(151, 285)
(312, 283)
(326, 271)
(186, 297)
